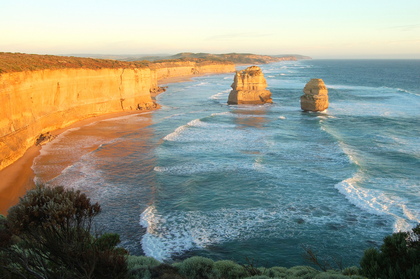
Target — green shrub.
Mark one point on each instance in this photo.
(331, 275)
(258, 277)
(398, 257)
(198, 268)
(276, 271)
(165, 271)
(48, 234)
(139, 267)
(353, 270)
(230, 270)
(135, 261)
(304, 272)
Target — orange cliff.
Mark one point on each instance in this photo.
(37, 102)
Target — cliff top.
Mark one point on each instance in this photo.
(252, 71)
(18, 62)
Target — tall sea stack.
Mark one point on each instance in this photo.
(315, 97)
(249, 87)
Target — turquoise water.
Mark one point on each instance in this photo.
(199, 177)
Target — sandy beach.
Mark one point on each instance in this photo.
(17, 178)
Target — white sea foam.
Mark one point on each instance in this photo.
(52, 144)
(220, 95)
(367, 199)
(175, 134)
(202, 83)
(173, 232)
(179, 231)
(201, 131)
(407, 91)
(379, 202)
(221, 113)
(188, 168)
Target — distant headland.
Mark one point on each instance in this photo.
(237, 58)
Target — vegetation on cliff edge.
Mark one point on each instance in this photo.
(50, 234)
(18, 62)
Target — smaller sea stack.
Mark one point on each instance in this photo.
(315, 97)
(249, 87)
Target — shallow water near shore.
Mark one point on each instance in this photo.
(199, 177)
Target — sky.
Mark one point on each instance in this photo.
(320, 29)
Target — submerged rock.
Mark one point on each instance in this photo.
(249, 87)
(315, 97)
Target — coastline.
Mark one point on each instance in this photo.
(18, 177)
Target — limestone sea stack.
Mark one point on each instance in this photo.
(315, 97)
(249, 87)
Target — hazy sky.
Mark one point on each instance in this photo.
(320, 28)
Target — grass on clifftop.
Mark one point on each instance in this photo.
(18, 62)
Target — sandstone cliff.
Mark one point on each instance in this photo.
(249, 87)
(171, 69)
(315, 97)
(33, 103)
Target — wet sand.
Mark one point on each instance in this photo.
(18, 178)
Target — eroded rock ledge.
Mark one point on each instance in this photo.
(249, 87)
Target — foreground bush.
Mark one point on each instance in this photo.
(398, 257)
(230, 269)
(204, 268)
(48, 234)
(198, 268)
(141, 266)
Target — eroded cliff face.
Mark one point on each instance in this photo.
(41, 101)
(165, 70)
(36, 102)
(315, 97)
(249, 87)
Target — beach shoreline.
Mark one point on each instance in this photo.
(17, 178)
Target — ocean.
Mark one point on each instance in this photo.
(256, 182)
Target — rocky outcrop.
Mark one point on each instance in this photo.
(249, 87)
(33, 103)
(315, 97)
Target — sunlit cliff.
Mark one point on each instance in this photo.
(39, 94)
